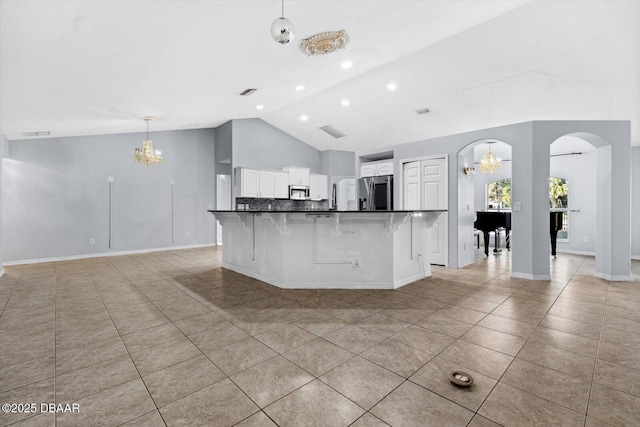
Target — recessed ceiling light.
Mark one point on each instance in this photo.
(304, 118)
(259, 107)
(300, 87)
(345, 102)
(392, 86)
(346, 64)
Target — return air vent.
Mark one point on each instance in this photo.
(247, 92)
(423, 111)
(332, 131)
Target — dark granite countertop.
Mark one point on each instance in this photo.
(324, 211)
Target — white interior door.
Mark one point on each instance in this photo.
(425, 187)
(411, 186)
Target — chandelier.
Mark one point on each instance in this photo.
(282, 29)
(145, 155)
(489, 162)
(324, 43)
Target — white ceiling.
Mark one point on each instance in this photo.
(95, 67)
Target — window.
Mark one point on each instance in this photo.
(559, 201)
(499, 195)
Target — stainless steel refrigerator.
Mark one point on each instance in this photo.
(376, 193)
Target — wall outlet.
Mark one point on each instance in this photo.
(188, 234)
(586, 239)
(92, 241)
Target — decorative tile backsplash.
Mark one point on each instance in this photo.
(251, 204)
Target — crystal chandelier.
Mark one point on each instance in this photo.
(282, 29)
(489, 162)
(145, 155)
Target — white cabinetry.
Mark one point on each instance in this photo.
(376, 168)
(281, 184)
(298, 176)
(248, 182)
(267, 188)
(318, 187)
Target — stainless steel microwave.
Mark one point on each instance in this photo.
(299, 192)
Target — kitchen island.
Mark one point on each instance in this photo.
(328, 249)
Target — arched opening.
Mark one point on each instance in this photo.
(477, 192)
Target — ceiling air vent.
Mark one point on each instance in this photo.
(247, 92)
(423, 111)
(39, 133)
(332, 131)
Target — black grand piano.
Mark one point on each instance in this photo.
(492, 221)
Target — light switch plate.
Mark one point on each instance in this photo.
(517, 206)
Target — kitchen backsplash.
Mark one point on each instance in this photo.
(251, 204)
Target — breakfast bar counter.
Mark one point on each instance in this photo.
(327, 248)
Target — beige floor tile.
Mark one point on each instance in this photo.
(241, 355)
(368, 420)
(576, 313)
(363, 382)
(270, 380)
(577, 327)
(509, 326)
(383, 323)
(592, 422)
(430, 342)
(412, 405)
(218, 336)
(318, 356)
(446, 325)
(434, 376)
(566, 341)
(495, 340)
(182, 379)
(259, 419)
(85, 335)
(81, 357)
(420, 303)
(42, 420)
(561, 388)
(627, 356)
(25, 373)
(561, 360)
(614, 407)
(285, 338)
(461, 313)
(355, 339)
(151, 419)
(113, 406)
(192, 325)
(477, 304)
(397, 357)
(220, 404)
(407, 314)
(479, 421)
(40, 392)
(618, 377)
(164, 355)
(75, 385)
(151, 337)
(621, 323)
(476, 358)
(510, 406)
(621, 338)
(314, 404)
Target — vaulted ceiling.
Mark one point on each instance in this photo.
(95, 67)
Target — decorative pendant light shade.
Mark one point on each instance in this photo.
(145, 155)
(489, 162)
(282, 29)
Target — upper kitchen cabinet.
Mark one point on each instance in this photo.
(297, 175)
(247, 182)
(281, 185)
(376, 168)
(267, 187)
(318, 190)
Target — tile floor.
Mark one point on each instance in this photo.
(170, 338)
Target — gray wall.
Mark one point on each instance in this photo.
(338, 163)
(224, 148)
(257, 144)
(56, 193)
(4, 150)
(635, 199)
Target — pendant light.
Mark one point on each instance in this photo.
(145, 155)
(282, 29)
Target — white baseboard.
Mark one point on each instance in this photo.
(1, 271)
(613, 277)
(106, 254)
(572, 252)
(635, 257)
(531, 276)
